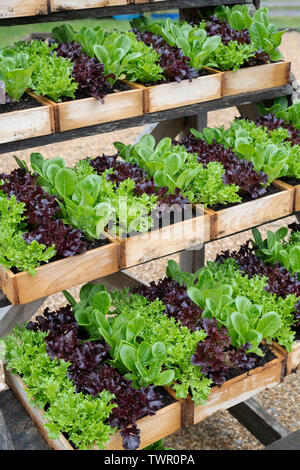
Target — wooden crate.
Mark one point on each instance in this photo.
(292, 358)
(18, 8)
(250, 214)
(237, 390)
(295, 189)
(90, 111)
(58, 5)
(153, 428)
(174, 95)
(63, 274)
(171, 239)
(32, 122)
(297, 198)
(255, 78)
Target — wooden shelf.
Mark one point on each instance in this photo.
(25, 12)
(183, 111)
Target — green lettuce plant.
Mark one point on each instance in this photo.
(139, 360)
(16, 73)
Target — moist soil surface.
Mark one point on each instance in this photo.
(26, 102)
(291, 181)
(259, 362)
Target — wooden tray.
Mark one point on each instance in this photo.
(17, 8)
(165, 241)
(296, 190)
(292, 358)
(90, 111)
(259, 77)
(54, 277)
(174, 95)
(236, 390)
(153, 428)
(58, 5)
(250, 214)
(32, 122)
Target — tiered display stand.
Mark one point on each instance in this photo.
(167, 110)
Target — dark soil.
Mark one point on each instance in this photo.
(26, 102)
(259, 362)
(246, 198)
(291, 181)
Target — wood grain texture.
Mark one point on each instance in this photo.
(175, 95)
(184, 111)
(297, 198)
(168, 240)
(22, 288)
(32, 122)
(292, 358)
(59, 5)
(238, 389)
(295, 189)
(90, 111)
(19, 8)
(166, 421)
(256, 78)
(250, 214)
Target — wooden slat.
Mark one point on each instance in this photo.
(292, 358)
(175, 95)
(90, 111)
(297, 198)
(237, 390)
(183, 111)
(257, 78)
(289, 442)
(83, 11)
(250, 214)
(165, 241)
(153, 428)
(258, 421)
(59, 5)
(25, 124)
(63, 274)
(17, 315)
(21, 8)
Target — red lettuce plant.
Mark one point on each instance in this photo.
(41, 210)
(237, 170)
(177, 303)
(88, 72)
(174, 63)
(271, 122)
(215, 356)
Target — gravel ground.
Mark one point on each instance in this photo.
(220, 431)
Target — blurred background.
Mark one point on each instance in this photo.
(284, 13)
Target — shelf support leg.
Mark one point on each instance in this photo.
(17, 315)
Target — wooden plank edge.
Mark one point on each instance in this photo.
(11, 284)
(190, 407)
